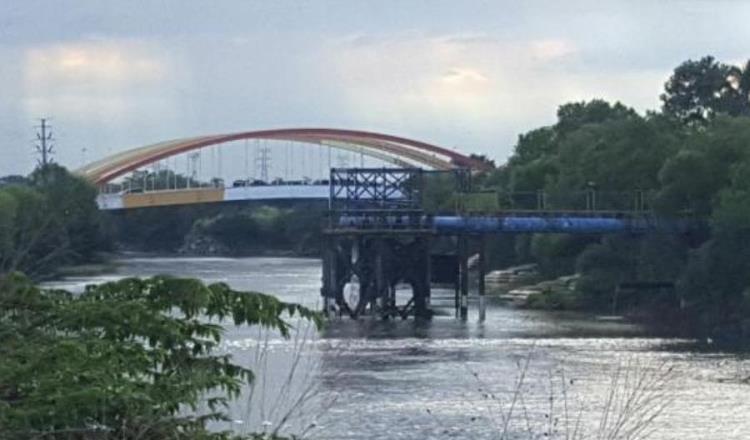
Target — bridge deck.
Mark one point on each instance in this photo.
(189, 196)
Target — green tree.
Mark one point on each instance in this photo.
(534, 145)
(30, 237)
(699, 90)
(692, 177)
(572, 116)
(133, 359)
(71, 202)
(48, 220)
(556, 253)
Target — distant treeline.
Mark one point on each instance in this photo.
(228, 229)
(693, 157)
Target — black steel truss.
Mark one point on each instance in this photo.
(354, 189)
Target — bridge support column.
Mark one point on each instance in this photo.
(380, 262)
(481, 272)
(421, 279)
(328, 291)
(463, 276)
(382, 289)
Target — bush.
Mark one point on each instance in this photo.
(554, 300)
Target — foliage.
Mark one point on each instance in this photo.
(248, 230)
(128, 359)
(48, 220)
(438, 192)
(556, 253)
(238, 228)
(692, 160)
(156, 229)
(699, 90)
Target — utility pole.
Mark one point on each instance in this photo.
(44, 147)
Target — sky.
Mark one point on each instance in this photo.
(467, 75)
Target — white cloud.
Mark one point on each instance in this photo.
(474, 80)
(94, 79)
(551, 49)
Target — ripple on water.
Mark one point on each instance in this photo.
(449, 379)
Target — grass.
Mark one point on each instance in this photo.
(287, 397)
(634, 399)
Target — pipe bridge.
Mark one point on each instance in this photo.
(384, 231)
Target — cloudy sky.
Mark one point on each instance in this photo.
(469, 75)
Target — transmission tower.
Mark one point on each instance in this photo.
(263, 162)
(193, 163)
(44, 147)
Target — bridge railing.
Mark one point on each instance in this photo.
(489, 202)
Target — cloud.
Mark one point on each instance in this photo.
(462, 76)
(551, 49)
(475, 89)
(93, 78)
(471, 76)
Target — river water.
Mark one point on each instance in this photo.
(548, 375)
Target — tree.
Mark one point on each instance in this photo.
(71, 202)
(692, 177)
(573, 116)
(29, 238)
(483, 159)
(534, 145)
(699, 90)
(48, 220)
(124, 360)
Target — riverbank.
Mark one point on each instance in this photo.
(101, 264)
(660, 318)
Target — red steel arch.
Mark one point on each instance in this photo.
(117, 165)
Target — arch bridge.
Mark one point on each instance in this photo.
(395, 150)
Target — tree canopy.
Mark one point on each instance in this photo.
(48, 220)
(699, 90)
(132, 359)
(692, 159)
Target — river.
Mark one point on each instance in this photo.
(553, 373)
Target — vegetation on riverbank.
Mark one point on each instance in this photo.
(692, 158)
(133, 359)
(222, 229)
(49, 220)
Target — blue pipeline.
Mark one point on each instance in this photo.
(570, 225)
